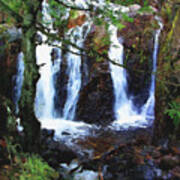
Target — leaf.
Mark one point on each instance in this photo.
(120, 26)
(176, 150)
(148, 157)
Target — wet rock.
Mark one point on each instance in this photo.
(47, 133)
(169, 161)
(66, 133)
(96, 100)
(55, 152)
(39, 38)
(55, 54)
(61, 86)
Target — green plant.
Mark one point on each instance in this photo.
(24, 166)
(11, 148)
(174, 112)
(35, 168)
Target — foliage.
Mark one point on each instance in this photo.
(36, 168)
(174, 112)
(26, 166)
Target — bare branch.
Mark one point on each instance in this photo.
(67, 49)
(54, 36)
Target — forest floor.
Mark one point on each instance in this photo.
(114, 157)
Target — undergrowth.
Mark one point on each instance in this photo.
(24, 166)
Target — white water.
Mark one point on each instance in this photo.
(18, 78)
(148, 108)
(45, 91)
(74, 72)
(79, 174)
(125, 114)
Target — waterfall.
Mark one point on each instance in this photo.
(148, 108)
(18, 78)
(74, 70)
(123, 107)
(45, 91)
(125, 113)
(74, 74)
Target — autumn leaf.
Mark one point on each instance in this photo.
(176, 150)
(148, 157)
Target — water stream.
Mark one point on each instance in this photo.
(148, 108)
(45, 90)
(74, 73)
(18, 80)
(125, 112)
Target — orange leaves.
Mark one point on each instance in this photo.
(176, 150)
(76, 22)
(148, 157)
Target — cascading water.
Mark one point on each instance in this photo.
(74, 73)
(18, 79)
(148, 108)
(125, 112)
(45, 92)
(123, 107)
(126, 115)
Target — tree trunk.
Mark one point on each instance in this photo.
(31, 75)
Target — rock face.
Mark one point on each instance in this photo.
(96, 96)
(55, 152)
(61, 87)
(138, 44)
(167, 89)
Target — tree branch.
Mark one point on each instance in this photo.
(53, 36)
(10, 11)
(67, 49)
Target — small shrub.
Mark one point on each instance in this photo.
(24, 166)
(174, 113)
(35, 168)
